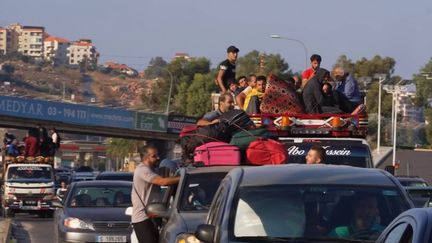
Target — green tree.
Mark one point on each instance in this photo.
(345, 63)
(120, 148)
(198, 95)
(156, 68)
(423, 85)
(258, 63)
(368, 68)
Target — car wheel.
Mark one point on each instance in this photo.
(49, 214)
(42, 215)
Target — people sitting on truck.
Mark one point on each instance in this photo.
(312, 93)
(242, 84)
(331, 101)
(225, 103)
(253, 98)
(309, 73)
(32, 146)
(12, 149)
(348, 89)
(7, 140)
(240, 98)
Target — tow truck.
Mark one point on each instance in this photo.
(341, 135)
(28, 186)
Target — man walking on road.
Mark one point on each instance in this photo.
(227, 73)
(143, 179)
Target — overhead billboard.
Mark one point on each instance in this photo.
(151, 122)
(66, 112)
(177, 123)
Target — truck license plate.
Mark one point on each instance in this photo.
(111, 238)
(30, 203)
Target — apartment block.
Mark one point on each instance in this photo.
(82, 52)
(3, 41)
(56, 50)
(27, 40)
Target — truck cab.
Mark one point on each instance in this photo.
(341, 135)
(28, 187)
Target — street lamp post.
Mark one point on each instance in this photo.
(170, 89)
(298, 41)
(381, 79)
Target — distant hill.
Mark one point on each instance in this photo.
(42, 80)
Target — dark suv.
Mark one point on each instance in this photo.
(185, 206)
(303, 203)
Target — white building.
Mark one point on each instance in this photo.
(82, 52)
(56, 50)
(27, 40)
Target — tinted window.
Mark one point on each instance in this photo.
(315, 211)
(339, 154)
(101, 196)
(199, 190)
(30, 173)
(413, 183)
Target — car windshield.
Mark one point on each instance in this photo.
(30, 173)
(199, 190)
(338, 154)
(101, 196)
(322, 212)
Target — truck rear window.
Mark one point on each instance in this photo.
(357, 155)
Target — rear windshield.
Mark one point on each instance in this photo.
(101, 196)
(357, 155)
(115, 177)
(199, 190)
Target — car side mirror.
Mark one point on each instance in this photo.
(57, 204)
(157, 210)
(205, 233)
(390, 169)
(129, 211)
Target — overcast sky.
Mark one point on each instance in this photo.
(133, 31)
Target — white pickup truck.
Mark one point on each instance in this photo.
(28, 187)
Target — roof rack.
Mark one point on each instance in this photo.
(313, 125)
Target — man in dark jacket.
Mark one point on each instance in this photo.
(312, 93)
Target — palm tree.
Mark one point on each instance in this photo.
(119, 148)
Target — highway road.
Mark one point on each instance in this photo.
(413, 163)
(30, 228)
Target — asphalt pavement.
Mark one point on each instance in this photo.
(412, 163)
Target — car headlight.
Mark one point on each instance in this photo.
(186, 238)
(75, 223)
(11, 197)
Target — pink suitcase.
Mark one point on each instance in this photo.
(216, 153)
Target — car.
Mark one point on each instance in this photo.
(94, 211)
(109, 175)
(185, 206)
(421, 196)
(412, 181)
(414, 225)
(302, 203)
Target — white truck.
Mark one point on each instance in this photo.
(28, 187)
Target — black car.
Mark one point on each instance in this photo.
(412, 181)
(114, 176)
(303, 203)
(414, 225)
(94, 211)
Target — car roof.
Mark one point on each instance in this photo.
(210, 169)
(103, 183)
(114, 173)
(314, 174)
(406, 178)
